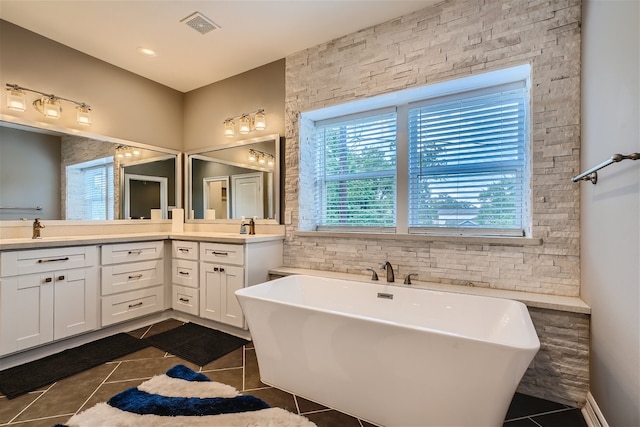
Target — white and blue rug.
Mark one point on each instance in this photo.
(182, 397)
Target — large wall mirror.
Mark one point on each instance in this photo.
(235, 180)
(55, 175)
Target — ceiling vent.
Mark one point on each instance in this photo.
(200, 23)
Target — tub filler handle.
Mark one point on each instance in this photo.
(374, 275)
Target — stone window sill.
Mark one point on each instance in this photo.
(482, 240)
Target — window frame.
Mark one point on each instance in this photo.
(402, 101)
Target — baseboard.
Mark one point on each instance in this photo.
(592, 414)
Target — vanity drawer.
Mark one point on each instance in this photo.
(135, 275)
(184, 250)
(129, 252)
(130, 305)
(15, 263)
(185, 299)
(222, 253)
(184, 272)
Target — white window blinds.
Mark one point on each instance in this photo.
(98, 192)
(467, 162)
(356, 179)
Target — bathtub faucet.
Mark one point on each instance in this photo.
(390, 276)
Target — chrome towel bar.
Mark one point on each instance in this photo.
(37, 208)
(592, 174)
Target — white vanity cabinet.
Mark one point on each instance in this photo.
(132, 280)
(184, 277)
(47, 295)
(225, 268)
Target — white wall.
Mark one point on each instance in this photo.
(610, 210)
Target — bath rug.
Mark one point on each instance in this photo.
(30, 376)
(182, 397)
(195, 343)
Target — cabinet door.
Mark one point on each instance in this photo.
(75, 302)
(210, 291)
(26, 311)
(231, 312)
(217, 299)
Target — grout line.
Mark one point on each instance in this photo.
(104, 381)
(37, 419)
(539, 414)
(535, 422)
(146, 332)
(244, 367)
(29, 405)
(295, 400)
(319, 411)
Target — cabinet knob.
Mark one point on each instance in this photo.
(215, 268)
(222, 269)
(48, 279)
(60, 277)
(184, 299)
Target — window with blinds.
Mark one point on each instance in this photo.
(98, 192)
(467, 162)
(90, 190)
(356, 171)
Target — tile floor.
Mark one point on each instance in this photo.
(59, 401)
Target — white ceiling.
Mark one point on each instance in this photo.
(252, 33)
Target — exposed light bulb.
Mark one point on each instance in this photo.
(83, 115)
(245, 125)
(16, 100)
(229, 128)
(259, 122)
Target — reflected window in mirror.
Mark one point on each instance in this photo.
(41, 189)
(235, 180)
(90, 190)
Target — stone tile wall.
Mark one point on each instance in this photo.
(452, 39)
(560, 370)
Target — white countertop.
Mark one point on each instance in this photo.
(546, 301)
(62, 241)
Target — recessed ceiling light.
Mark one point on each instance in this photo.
(146, 51)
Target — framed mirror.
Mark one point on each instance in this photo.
(236, 180)
(56, 175)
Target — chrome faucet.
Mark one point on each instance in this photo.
(390, 276)
(36, 228)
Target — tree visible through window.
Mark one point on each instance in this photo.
(454, 154)
(357, 165)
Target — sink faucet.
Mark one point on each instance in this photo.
(36, 228)
(252, 226)
(390, 276)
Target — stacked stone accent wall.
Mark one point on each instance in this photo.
(453, 39)
(560, 370)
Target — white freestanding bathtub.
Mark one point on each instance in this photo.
(391, 355)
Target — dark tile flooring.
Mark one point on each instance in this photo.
(57, 402)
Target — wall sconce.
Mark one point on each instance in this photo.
(261, 157)
(247, 122)
(126, 152)
(47, 104)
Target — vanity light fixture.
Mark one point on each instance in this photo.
(261, 157)
(47, 104)
(126, 152)
(247, 122)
